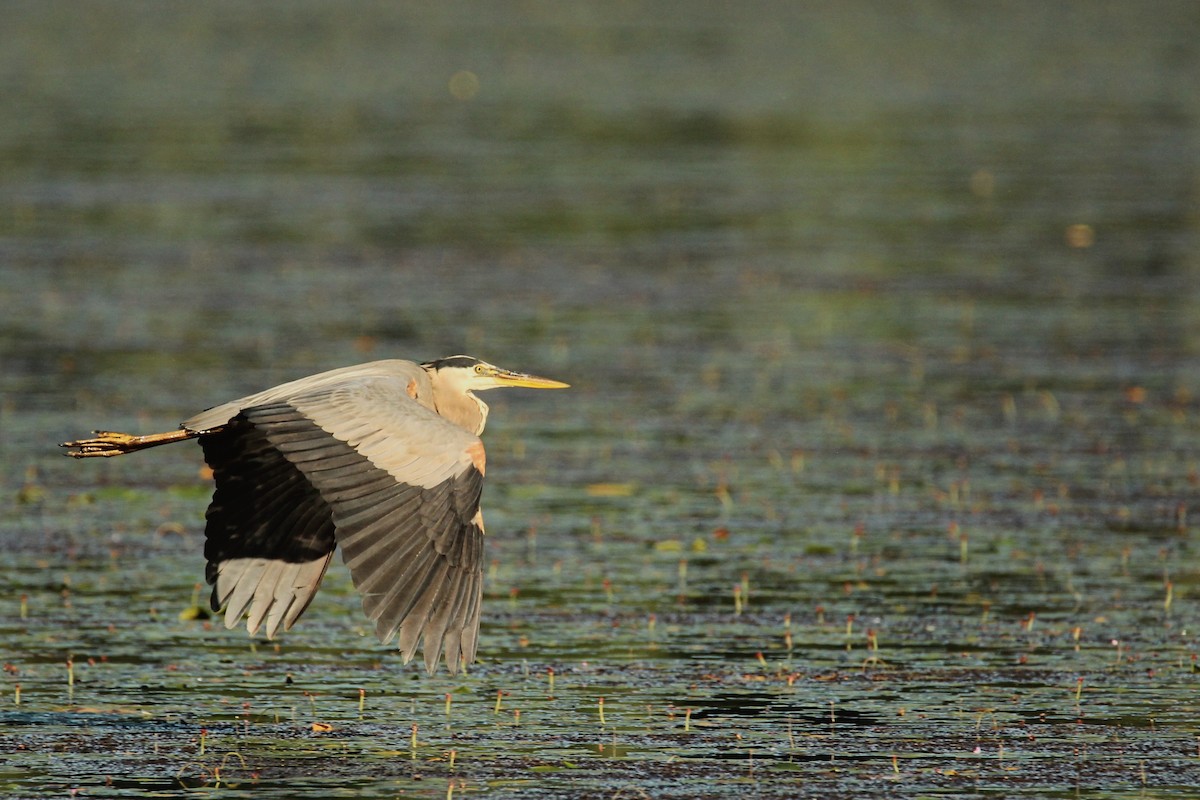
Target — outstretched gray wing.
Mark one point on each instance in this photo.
(396, 485)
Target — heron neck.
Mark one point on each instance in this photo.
(465, 410)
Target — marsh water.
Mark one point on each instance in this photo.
(878, 476)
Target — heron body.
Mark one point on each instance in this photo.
(382, 459)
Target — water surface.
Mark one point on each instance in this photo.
(885, 317)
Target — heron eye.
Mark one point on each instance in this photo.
(479, 370)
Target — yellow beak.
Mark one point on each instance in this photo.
(505, 378)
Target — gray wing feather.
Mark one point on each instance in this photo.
(403, 490)
(392, 369)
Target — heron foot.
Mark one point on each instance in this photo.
(105, 444)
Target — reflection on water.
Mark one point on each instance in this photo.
(886, 316)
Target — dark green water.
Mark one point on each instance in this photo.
(886, 314)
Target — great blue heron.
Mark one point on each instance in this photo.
(383, 459)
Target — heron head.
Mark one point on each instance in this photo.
(467, 374)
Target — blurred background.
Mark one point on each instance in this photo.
(785, 253)
(210, 198)
(901, 243)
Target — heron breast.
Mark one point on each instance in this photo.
(478, 457)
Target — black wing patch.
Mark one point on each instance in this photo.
(269, 535)
(263, 506)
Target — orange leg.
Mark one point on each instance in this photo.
(111, 443)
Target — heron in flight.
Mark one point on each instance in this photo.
(383, 459)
